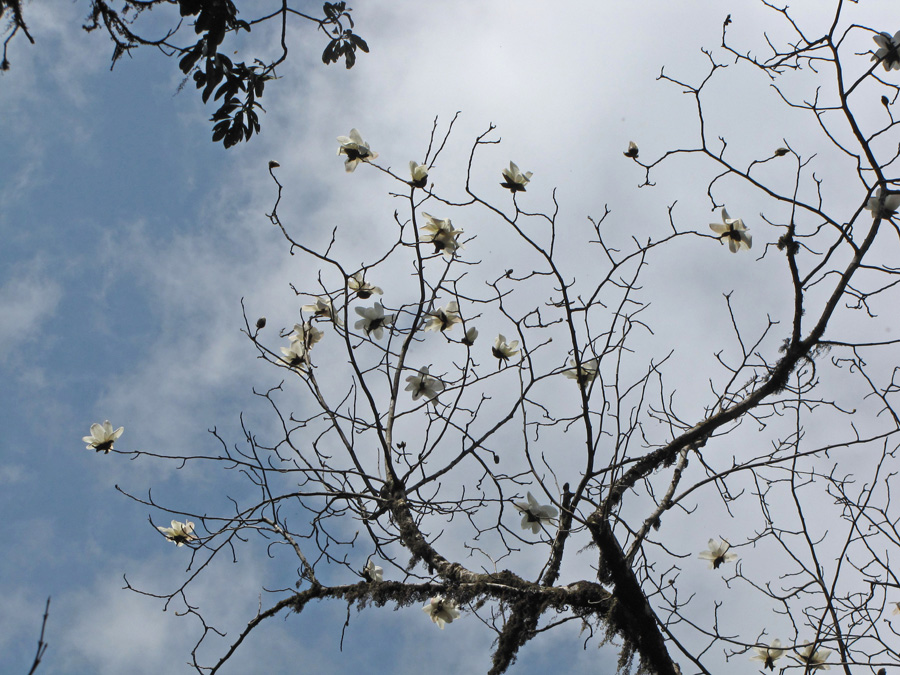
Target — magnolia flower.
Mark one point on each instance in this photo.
(356, 149)
(180, 533)
(769, 655)
(373, 572)
(306, 334)
(322, 308)
(534, 513)
(733, 229)
(717, 553)
(441, 234)
(884, 205)
(585, 374)
(373, 320)
(887, 53)
(424, 385)
(812, 658)
(363, 289)
(471, 334)
(514, 180)
(295, 355)
(444, 318)
(632, 150)
(441, 610)
(503, 350)
(102, 437)
(896, 608)
(419, 173)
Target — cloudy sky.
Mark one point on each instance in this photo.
(129, 240)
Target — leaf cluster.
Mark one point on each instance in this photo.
(237, 86)
(345, 42)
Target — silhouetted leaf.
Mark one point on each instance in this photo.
(219, 131)
(190, 59)
(359, 42)
(189, 7)
(328, 54)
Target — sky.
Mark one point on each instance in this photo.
(129, 241)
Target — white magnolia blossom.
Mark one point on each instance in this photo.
(444, 318)
(887, 53)
(884, 205)
(769, 655)
(295, 355)
(441, 234)
(470, 336)
(534, 513)
(306, 334)
(102, 437)
(419, 174)
(632, 150)
(180, 533)
(503, 350)
(322, 308)
(896, 608)
(356, 150)
(373, 320)
(424, 384)
(373, 572)
(585, 374)
(814, 659)
(362, 288)
(734, 231)
(718, 553)
(441, 610)
(514, 180)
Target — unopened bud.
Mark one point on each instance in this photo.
(273, 164)
(781, 152)
(261, 323)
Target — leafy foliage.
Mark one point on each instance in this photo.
(236, 86)
(345, 42)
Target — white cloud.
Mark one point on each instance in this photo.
(12, 473)
(27, 302)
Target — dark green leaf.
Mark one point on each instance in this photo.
(216, 36)
(359, 42)
(203, 22)
(219, 132)
(208, 90)
(328, 54)
(188, 60)
(235, 135)
(189, 7)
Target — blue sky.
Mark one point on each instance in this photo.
(129, 240)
